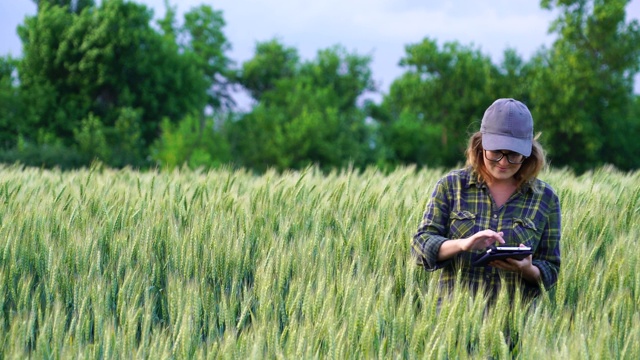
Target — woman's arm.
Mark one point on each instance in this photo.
(432, 229)
(478, 241)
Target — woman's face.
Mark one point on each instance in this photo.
(502, 170)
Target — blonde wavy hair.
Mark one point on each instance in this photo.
(528, 172)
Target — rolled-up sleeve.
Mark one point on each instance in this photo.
(431, 232)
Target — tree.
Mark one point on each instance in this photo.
(100, 61)
(207, 46)
(514, 75)
(271, 63)
(126, 139)
(11, 108)
(42, 73)
(190, 143)
(582, 88)
(74, 6)
(91, 138)
(197, 139)
(307, 113)
(444, 92)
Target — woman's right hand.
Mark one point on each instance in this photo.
(478, 241)
(481, 240)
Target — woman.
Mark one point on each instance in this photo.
(495, 200)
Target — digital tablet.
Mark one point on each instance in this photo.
(501, 253)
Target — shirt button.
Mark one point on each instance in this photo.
(495, 216)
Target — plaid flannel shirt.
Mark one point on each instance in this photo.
(461, 205)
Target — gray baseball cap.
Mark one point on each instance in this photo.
(507, 125)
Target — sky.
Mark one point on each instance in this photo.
(379, 28)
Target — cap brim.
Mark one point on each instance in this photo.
(500, 142)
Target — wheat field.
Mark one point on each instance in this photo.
(225, 264)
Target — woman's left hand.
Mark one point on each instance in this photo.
(514, 265)
(524, 267)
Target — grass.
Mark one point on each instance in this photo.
(99, 263)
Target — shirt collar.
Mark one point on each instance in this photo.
(475, 179)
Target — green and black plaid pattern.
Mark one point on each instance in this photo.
(461, 205)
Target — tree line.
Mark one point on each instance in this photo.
(108, 82)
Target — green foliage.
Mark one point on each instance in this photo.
(176, 264)
(102, 71)
(514, 77)
(623, 145)
(207, 44)
(308, 112)
(101, 61)
(264, 139)
(408, 140)
(91, 139)
(168, 23)
(127, 143)
(44, 155)
(75, 6)
(258, 141)
(580, 91)
(11, 108)
(40, 70)
(582, 88)
(346, 76)
(271, 63)
(194, 142)
(446, 90)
